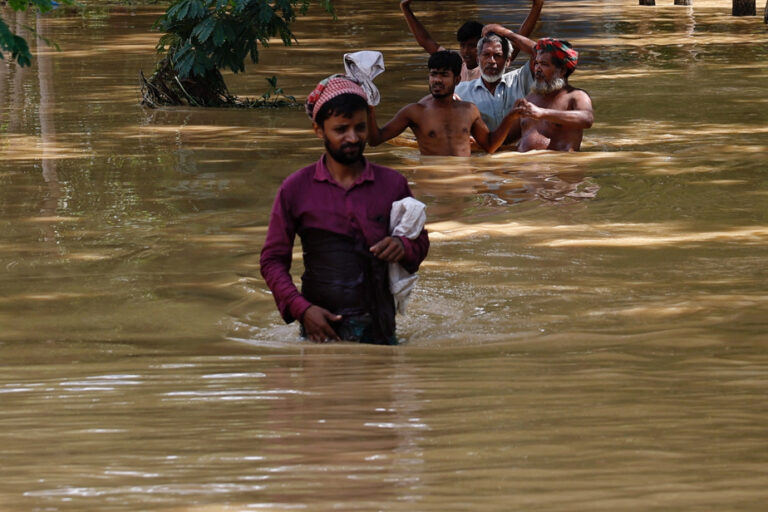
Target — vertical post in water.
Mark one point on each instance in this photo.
(744, 8)
(647, 2)
(683, 2)
(765, 16)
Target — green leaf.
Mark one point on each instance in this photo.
(204, 29)
(218, 35)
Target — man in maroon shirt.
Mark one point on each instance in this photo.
(340, 207)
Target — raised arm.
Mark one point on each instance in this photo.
(529, 23)
(417, 29)
(578, 115)
(518, 41)
(491, 141)
(393, 128)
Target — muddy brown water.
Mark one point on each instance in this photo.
(589, 331)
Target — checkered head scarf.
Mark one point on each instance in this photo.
(328, 89)
(561, 51)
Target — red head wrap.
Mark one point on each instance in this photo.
(561, 51)
(328, 89)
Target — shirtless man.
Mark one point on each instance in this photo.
(468, 35)
(554, 115)
(441, 123)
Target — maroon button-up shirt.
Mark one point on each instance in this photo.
(311, 198)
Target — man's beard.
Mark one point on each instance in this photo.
(541, 86)
(492, 79)
(344, 157)
(438, 95)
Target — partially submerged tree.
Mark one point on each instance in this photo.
(744, 8)
(14, 44)
(203, 37)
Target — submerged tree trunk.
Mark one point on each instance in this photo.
(683, 2)
(165, 88)
(744, 8)
(647, 2)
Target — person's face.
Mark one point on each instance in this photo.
(492, 59)
(468, 52)
(544, 69)
(442, 82)
(345, 137)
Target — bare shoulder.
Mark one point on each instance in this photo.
(578, 94)
(412, 110)
(466, 106)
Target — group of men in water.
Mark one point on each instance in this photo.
(474, 94)
(341, 205)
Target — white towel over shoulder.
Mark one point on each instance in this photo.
(406, 219)
(365, 65)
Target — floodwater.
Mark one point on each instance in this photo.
(589, 331)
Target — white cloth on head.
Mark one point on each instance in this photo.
(406, 219)
(365, 65)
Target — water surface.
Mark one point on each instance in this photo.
(588, 332)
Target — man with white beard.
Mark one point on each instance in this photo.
(497, 90)
(555, 115)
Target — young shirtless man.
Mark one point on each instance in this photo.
(468, 35)
(554, 115)
(442, 124)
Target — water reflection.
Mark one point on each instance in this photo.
(588, 330)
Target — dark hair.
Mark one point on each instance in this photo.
(469, 30)
(445, 59)
(342, 105)
(491, 37)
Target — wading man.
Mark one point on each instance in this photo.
(555, 115)
(441, 123)
(496, 91)
(340, 208)
(467, 36)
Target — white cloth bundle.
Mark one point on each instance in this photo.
(406, 219)
(365, 65)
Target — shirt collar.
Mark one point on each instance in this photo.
(323, 174)
(500, 83)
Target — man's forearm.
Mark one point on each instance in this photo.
(415, 251)
(529, 23)
(374, 133)
(533, 17)
(419, 32)
(510, 125)
(575, 118)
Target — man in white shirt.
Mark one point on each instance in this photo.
(497, 90)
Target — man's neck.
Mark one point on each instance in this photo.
(443, 101)
(491, 86)
(345, 175)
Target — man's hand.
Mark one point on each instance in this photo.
(316, 326)
(389, 249)
(525, 108)
(495, 28)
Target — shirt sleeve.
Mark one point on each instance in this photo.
(415, 250)
(276, 258)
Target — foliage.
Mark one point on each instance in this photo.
(274, 97)
(15, 44)
(206, 35)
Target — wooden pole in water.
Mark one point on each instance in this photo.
(765, 16)
(744, 8)
(647, 2)
(683, 2)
